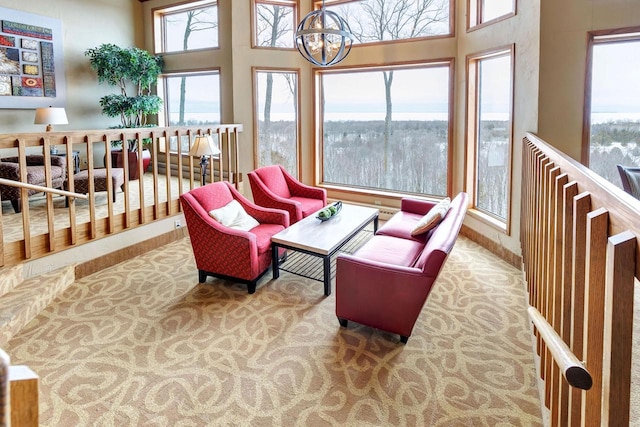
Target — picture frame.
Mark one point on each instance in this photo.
(31, 61)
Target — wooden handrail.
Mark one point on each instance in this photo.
(572, 368)
(39, 188)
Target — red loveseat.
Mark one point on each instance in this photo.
(386, 282)
(224, 252)
(274, 187)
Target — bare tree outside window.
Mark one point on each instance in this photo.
(382, 20)
(354, 109)
(277, 139)
(198, 26)
(274, 25)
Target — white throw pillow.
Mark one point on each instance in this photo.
(234, 216)
(432, 218)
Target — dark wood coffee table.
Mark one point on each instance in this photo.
(323, 238)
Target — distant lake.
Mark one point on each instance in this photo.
(614, 117)
(345, 116)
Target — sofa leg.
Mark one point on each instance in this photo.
(343, 322)
(16, 205)
(403, 339)
(202, 276)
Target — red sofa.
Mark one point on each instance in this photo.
(229, 253)
(386, 282)
(274, 187)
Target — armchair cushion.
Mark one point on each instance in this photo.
(234, 216)
(273, 178)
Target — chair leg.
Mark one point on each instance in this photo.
(202, 276)
(343, 322)
(403, 339)
(251, 287)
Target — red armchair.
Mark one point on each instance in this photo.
(224, 252)
(274, 187)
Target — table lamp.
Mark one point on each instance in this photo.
(204, 147)
(50, 116)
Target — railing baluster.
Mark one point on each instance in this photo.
(618, 329)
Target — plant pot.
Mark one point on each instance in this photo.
(117, 161)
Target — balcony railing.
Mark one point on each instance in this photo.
(52, 223)
(579, 238)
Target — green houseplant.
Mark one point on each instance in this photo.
(133, 71)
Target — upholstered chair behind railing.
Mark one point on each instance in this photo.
(10, 169)
(630, 177)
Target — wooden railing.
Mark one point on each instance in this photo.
(579, 236)
(171, 173)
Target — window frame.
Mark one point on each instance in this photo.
(163, 89)
(318, 126)
(295, 4)
(475, 8)
(472, 131)
(256, 119)
(158, 26)
(317, 4)
(616, 35)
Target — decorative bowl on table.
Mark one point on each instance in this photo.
(330, 211)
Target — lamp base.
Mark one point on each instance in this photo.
(204, 162)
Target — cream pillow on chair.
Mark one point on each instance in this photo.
(234, 216)
(432, 218)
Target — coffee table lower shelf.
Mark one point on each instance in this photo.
(304, 263)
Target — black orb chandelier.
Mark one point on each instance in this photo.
(323, 38)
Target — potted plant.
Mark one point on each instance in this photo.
(133, 71)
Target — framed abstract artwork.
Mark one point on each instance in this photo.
(31, 61)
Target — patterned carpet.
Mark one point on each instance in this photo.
(143, 344)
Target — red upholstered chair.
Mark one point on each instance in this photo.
(274, 187)
(224, 252)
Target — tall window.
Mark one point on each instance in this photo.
(489, 131)
(612, 123)
(374, 21)
(387, 128)
(483, 11)
(277, 118)
(274, 23)
(187, 27)
(192, 99)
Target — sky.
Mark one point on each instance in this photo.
(616, 77)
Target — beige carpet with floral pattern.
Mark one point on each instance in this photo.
(143, 344)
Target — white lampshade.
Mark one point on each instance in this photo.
(204, 146)
(50, 116)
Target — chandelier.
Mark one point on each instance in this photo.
(323, 38)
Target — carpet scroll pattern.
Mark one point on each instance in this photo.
(143, 344)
